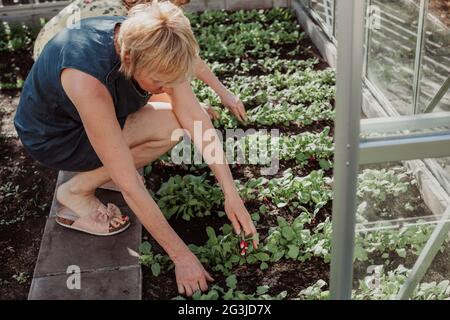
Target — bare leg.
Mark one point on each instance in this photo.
(163, 97)
(147, 132)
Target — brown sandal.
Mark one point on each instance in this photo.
(99, 222)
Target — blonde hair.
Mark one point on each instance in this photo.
(157, 38)
(131, 3)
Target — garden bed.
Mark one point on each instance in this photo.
(285, 86)
(258, 74)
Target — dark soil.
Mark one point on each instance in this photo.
(26, 192)
(290, 276)
(25, 197)
(15, 67)
(294, 128)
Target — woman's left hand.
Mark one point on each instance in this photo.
(235, 105)
(240, 218)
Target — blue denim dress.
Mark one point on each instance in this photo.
(47, 122)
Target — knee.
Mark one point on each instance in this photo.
(172, 130)
(169, 134)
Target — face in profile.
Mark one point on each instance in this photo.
(154, 83)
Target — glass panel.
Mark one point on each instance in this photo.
(436, 55)
(394, 222)
(391, 51)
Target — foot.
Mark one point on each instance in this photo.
(82, 203)
(100, 223)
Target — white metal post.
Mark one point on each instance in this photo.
(350, 40)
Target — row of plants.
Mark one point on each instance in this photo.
(249, 51)
(231, 293)
(282, 92)
(216, 17)
(16, 46)
(266, 66)
(258, 148)
(302, 148)
(301, 152)
(243, 37)
(382, 285)
(195, 196)
(16, 37)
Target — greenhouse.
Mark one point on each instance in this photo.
(332, 176)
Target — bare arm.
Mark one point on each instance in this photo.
(188, 111)
(229, 100)
(95, 106)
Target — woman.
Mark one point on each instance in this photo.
(81, 9)
(84, 108)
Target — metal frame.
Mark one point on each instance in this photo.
(426, 257)
(348, 113)
(439, 174)
(420, 45)
(406, 123)
(439, 95)
(409, 147)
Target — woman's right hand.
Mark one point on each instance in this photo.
(190, 275)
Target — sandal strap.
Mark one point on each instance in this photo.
(102, 214)
(99, 221)
(112, 208)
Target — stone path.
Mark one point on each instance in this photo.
(106, 269)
